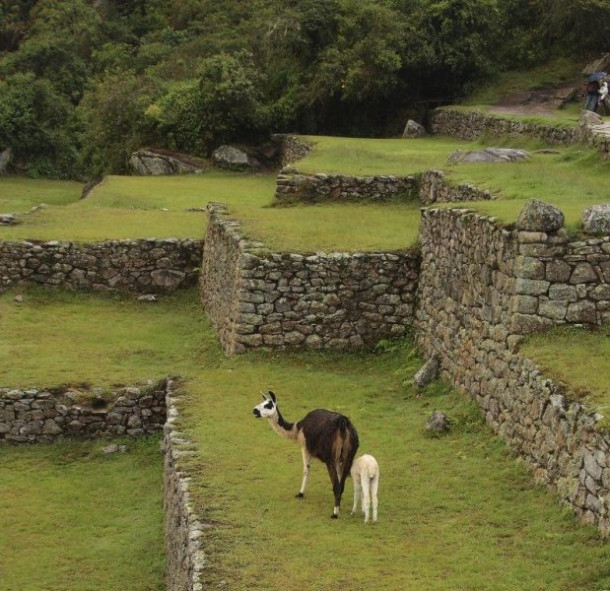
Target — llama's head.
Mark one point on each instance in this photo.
(267, 408)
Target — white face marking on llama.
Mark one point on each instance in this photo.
(267, 408)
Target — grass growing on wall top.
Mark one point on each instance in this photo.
(573, 179)
(74, 519)
(456, 512)
(577, 358)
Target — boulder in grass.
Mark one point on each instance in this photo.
(413, 129)
(538, 216)
(438, 422)
(163, 162)
(596, 219)
(426, 373)
(231, 158)
(488, 155)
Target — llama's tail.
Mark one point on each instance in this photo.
(349, 446)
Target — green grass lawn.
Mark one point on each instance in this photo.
(75, 519)
(456, 512)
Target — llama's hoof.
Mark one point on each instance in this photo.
(333, 516)
(299, 495)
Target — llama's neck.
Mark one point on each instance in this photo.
(283, 427)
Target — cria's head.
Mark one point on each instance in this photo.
(267, 408)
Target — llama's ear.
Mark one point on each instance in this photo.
(264, 397)
(272, 396)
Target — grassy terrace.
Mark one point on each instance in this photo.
(74, 519)
(576, 358)
(455, 513)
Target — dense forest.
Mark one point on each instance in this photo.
(85, 82)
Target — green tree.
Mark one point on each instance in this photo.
(38, 124)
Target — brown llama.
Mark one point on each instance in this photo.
(323, 434)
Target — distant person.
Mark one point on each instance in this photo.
(603, 94)
(592, 98)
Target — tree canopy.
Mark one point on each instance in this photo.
(83, 83)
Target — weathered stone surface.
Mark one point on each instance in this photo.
(488, 155)
(589, 118)
(161, 162)
(296, 187)
(8, 219)
(413, 130)
(426, 373)
(31, 416)
(472, 125)
(540, 217)
(438, 422)
(596, 219)
(233, 158)
(122, 265)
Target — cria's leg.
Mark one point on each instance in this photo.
(357, 492)
(306, 466)
(366, 497)
(374, 488)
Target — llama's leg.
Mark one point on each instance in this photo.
(306, 466)
(374, 487)
(357, 492)
(332, 472)
(366, 497)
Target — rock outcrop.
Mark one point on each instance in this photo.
(161, 162)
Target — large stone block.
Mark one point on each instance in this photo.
(539, 216)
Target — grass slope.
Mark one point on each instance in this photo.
(456, 512)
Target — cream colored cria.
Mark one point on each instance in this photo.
(365, 474)
(323, 434)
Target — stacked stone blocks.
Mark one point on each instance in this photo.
(151, 265)
(321, 300)
(43, 415)
(482, 288)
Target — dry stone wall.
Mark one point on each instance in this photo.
(44, 415)
(185, 557)
(471, 125)
(434, 188)
(429, 187)
(481, 289)
(151, 266)
(293, 187)
(292, 148)
(323, 300)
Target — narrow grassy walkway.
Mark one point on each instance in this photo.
(456, 512)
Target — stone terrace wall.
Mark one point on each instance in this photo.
(185, 557)
(472, 294)
(433, 188)
(292, 148)
(315, 188)
(471, 125)
(429, 187)
(44, 415)
(321, 300)
(127, 265)
(560, 281)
